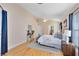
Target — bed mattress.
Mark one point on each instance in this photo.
(51, 41)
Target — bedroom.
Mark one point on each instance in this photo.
(43, 28)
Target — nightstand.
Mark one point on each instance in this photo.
(68, 49)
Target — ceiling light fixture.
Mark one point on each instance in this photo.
(44, 20)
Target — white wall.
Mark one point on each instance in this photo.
(18, 20)
(46, 25)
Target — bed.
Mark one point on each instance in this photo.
(50, 41)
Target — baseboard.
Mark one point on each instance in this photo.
(16, 45)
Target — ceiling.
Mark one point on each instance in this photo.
(47, 10)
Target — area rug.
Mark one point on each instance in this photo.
(43, 48)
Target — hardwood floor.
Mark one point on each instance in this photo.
(23, 50)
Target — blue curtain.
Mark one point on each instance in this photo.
(70, 25)
(4, 47)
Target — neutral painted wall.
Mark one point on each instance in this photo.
(45, 25)
(18, 20)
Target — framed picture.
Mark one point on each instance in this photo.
(65, 23)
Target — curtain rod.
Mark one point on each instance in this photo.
(1, 7)
(75, 10)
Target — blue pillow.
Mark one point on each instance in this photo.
(58, 35)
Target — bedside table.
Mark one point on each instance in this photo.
(68, 49)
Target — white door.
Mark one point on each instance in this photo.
(0, 28)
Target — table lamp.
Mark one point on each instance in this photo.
(67, 34)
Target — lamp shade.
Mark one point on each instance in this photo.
(68, 33)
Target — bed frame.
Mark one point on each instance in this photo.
(44, 45)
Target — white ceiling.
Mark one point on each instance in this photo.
(47, 10)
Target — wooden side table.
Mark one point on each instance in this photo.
(68, 49)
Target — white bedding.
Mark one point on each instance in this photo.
(50, 40)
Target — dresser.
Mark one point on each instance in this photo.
(68, 49)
